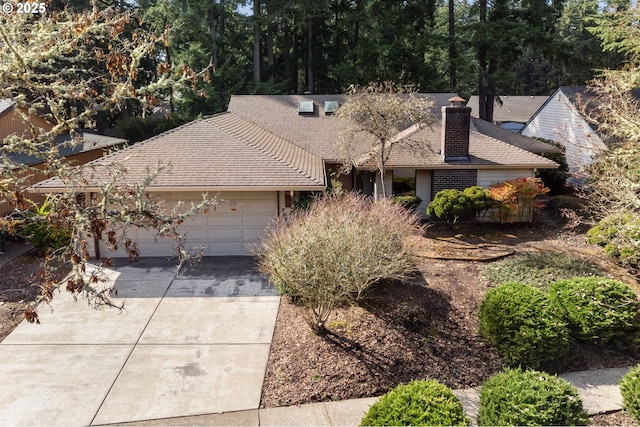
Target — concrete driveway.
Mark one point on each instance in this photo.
(187, 345)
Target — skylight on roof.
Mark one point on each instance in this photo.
(331, 107)
(305, 107)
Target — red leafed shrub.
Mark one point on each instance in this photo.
(517, 198)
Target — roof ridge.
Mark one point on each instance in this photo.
(294, 157)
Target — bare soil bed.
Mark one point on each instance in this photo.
(426, 327)
(19, 286)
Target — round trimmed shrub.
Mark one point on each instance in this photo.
(419, 403)
(449, 205)
(596, 309)
(520, 321)
(630, 390)
(516, 397)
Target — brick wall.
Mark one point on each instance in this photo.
(458, 179)
(455, 132)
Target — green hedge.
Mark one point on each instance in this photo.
(630, 390)
(596, 309)
(419, 403)
(529, 398)
(520, 321)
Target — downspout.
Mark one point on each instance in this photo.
(278, 201)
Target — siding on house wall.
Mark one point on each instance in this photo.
(11, 123)
(560, 121)
(488, 177)
(37, 176)
(423, 190)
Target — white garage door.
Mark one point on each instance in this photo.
(229, 228)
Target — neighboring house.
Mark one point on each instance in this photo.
(510, 112)
(266, 151)
(560, 120)
(86, 148)
(12, 124)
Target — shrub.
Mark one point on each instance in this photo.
(619, 235)
(529, 398)
(516, 198)
(596, 309)
(419, 403)
(480, 201)
(333, 252)
(520, 321)
(408, 201)
(630, 390)
(43, 229)
(449, 205)
(538, 269)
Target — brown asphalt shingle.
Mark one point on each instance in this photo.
(221, 151)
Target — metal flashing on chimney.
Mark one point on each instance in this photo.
(306, 106)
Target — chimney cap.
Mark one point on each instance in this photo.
(457, 101)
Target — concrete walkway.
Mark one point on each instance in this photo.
(195, 344)
(598, 390)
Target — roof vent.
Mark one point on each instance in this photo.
(305, 107)
(331, 107)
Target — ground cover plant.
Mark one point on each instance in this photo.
(619, 236)
(599, 310)
(519, 397)
(419, 403)
(539, 269)
(523, 324)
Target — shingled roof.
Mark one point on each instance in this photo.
(508, 108)
(526, 143)
(317, 132)
(221, 152)
(485, 152)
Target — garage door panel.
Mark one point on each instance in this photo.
(264, 206)
(252, 234)
(257, 220)
(224, 234)
(218, 232)
(226, 248)
(224, 220)
(196, 221)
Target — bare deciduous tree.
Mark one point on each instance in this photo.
(69, 68)
(378, 116)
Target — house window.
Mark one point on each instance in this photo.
(404, 182)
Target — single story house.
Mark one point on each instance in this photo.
(266, 151)
(559, 119)
(510, 112)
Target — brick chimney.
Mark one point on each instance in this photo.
(455, 131)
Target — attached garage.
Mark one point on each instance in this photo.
(228, 228)
(251, 172)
